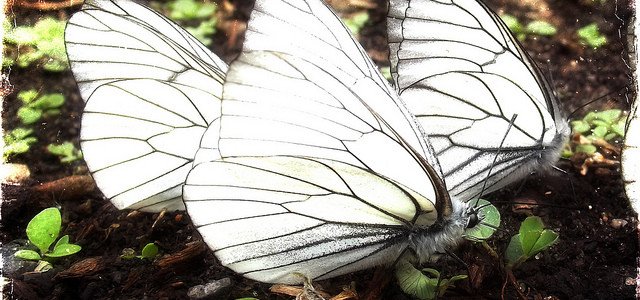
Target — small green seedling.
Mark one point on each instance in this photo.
(536, 27)
(386, 72)
(356, 22)
(425, 284)
(531, 239)
(43, 42)
(42, 231)
(66, 151)
(35, 106)
(191, 11)
(489, 217)
(17, 141)
(149, 251)
(590, 35)
(596, 128)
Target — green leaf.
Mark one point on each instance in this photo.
(512, 23)
(149, 251)
(619, 127)
(27, 255)
(597, 122)
(28, 115)
(61, 241)
(530, 230)
(490, 220)
(356, 22)
(541, 28)
(190, 10)
(66, 151)
(514, 250)
(590, 35)
(609, 115)
(44, 228)
(49, 101)
(415, 283)
(27, 96)
(545, 240)
(587, 148)
(610, 136)
(18, 134)
(64, 250)
(580, 126)
(22, 35)
(600, 131)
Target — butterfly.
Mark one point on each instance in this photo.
(465, 77)
(305, 161)
(629, 158)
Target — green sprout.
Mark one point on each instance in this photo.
(386, 72)
(536, 27)
(590, 35)
(425, 284)
(36, 106)
(531, 239)
(17, 141)
(66, 151)
(489, 222)
(43, 231)
(596, 129)
(43, 42)
(190, 11)
(149, 251)
(356, 22)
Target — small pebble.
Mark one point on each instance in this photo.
(14, 173)
(209, 290)
(618, 223)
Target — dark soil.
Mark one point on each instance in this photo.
(594, 258)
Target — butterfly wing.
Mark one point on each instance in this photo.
(150, 90)
(321, 168)
(630, 159)
(464, 76)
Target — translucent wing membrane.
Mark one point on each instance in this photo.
(315, 166)
(630, 160)
(151, 90)
(464, 76)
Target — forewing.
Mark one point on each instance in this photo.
(150, 91)
(465, 77)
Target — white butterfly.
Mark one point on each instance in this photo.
(630, 159)
(319, 168)
(464, 76)
(151, 89)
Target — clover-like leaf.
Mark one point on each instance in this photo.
(44, 228)
(27, 255)
(489, 217)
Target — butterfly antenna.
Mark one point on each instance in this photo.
(573, 189)
(616, 91)
(495, 158)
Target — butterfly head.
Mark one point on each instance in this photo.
(445, 233)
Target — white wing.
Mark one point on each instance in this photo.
(151, 90)
(323, 171)
(464, 76)
(630, 160)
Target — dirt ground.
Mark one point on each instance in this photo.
(594, 259)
